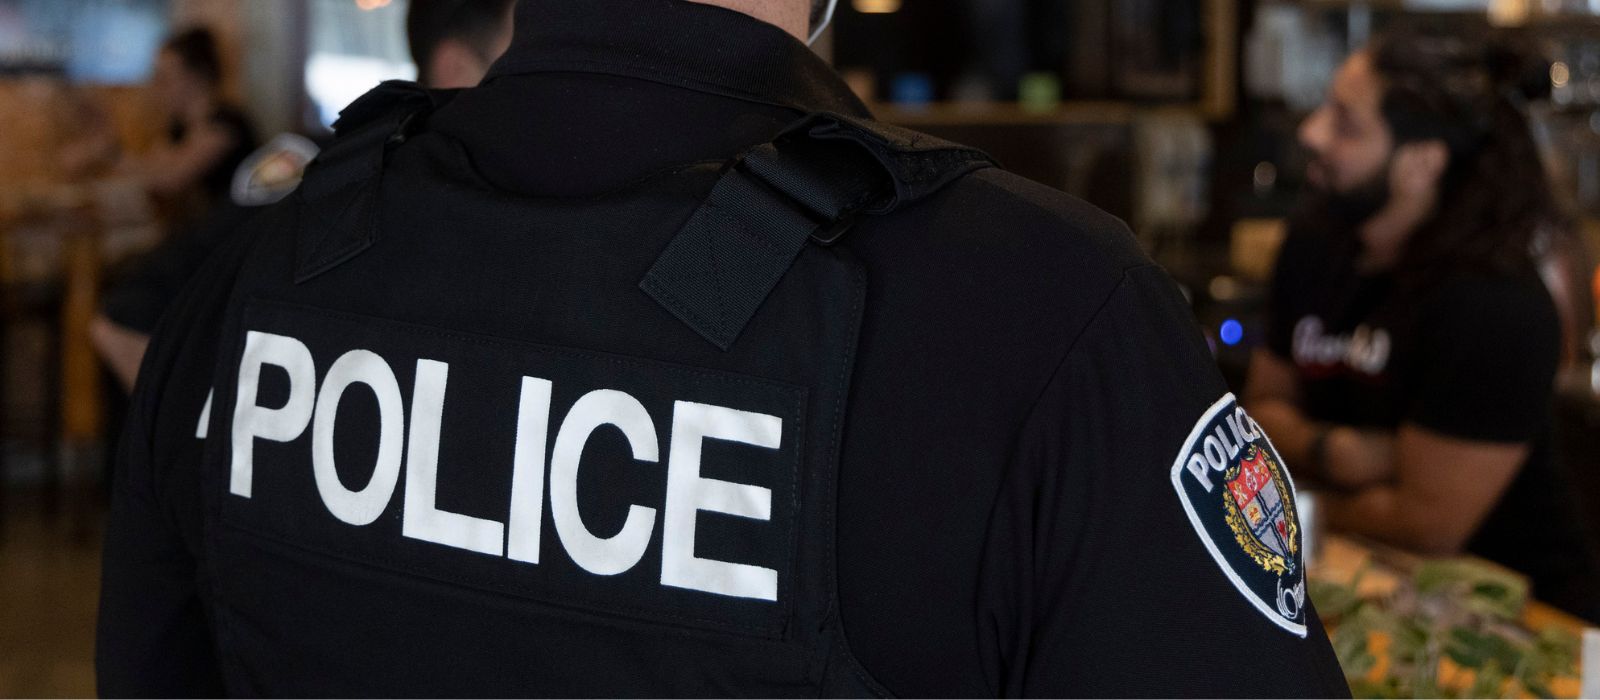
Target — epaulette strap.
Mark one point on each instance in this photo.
(918, 164)
(809, 184)
(338, 198)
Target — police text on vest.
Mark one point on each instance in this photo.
(410, 435)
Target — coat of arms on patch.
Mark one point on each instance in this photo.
(1240, 499)
(1261, 518)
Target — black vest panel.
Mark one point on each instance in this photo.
(456, 443)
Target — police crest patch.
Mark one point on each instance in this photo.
(1240, 499)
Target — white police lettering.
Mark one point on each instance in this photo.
(1220, 447)
(204, 426)
(251, 421)
(1365, 350)
(600, 555)
(527, 471)
(687, 492)
(423, 520)
(363, 506)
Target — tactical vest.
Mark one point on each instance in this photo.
(465, 442)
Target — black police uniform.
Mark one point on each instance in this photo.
(858, 415)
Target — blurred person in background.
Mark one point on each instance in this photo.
(453, 43)
(1412, 347)
(207, 137)
(189, 175)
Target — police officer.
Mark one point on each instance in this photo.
(652, 366)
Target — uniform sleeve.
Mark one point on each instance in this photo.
(153, 640)
(1096, 582)
(1490, 352)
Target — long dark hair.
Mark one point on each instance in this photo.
(196, 49)
(1495, 197)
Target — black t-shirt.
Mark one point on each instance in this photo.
(1471, 356)
(1010, 516)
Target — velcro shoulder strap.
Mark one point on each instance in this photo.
(339, 194)
(807, 185)
(917, 164)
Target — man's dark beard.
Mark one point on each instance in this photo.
(1340, 215)
(1353, 207)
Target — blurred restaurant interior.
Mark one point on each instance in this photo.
(1177, 116)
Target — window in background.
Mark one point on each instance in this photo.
(106, 42)
(355, 44)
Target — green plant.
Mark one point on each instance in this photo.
(1454, 613)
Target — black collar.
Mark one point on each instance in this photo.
(675, 42)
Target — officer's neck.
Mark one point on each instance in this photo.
(791, 16)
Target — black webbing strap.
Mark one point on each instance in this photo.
(339, 195)
(809, 184)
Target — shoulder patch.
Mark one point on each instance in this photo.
(1240, 499)
(271, 172)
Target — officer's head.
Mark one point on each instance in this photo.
(454, 41)
(188, 68)
(1440, 115)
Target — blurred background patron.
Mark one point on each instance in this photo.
(1412, 345)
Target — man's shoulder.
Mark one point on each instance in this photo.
(1055, 218)
(1001, 225)
(995, 260)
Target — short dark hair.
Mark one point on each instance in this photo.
(196, 49)
(474, 22)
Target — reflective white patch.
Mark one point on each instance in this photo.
(527, 471)
(409, 437)
(278, 424)
(422, 520)
(362, 506)
(688, 493)
(204, 426)
(600, 555)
